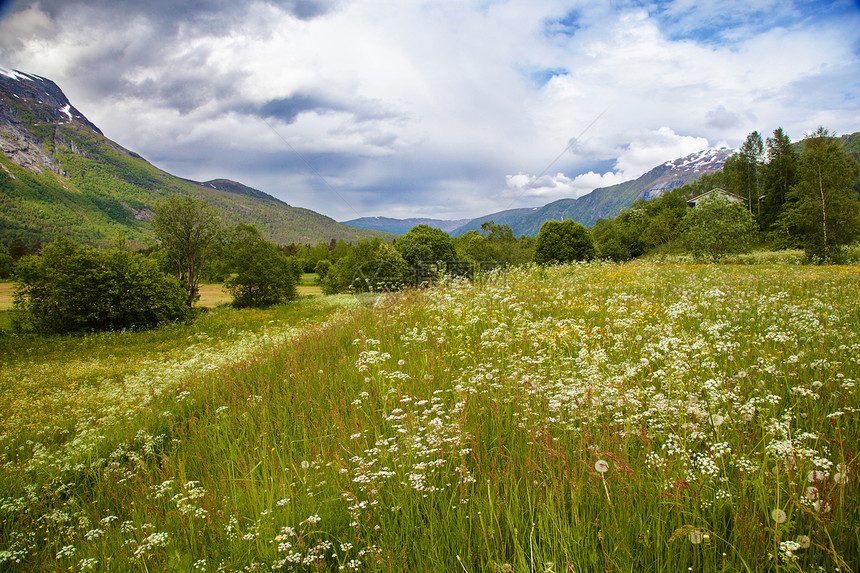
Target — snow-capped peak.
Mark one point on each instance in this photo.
(16, 75)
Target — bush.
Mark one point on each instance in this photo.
(264, 274)
(372, 265)
(424, 243)
(68, 288)
(322, 267)
(563, 242)
(7, 266)
(716, 228)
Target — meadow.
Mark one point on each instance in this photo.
(594, 417)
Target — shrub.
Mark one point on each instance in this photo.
(7, 265)
(264, 275)
(424, 243)
(372, 265)
(322, 267)
(69, 288)
(716, 228)
(563, 242)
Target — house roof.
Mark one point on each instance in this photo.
(716, 191)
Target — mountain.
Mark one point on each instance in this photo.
(607, 202)
(402, 226)
(59, 175)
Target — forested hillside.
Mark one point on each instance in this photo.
(801, 195)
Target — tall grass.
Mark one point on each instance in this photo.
(582, 418)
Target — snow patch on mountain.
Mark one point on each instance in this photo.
(16, 75)
(47, 101)
(685, 169)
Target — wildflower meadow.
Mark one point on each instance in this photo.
(591, 417)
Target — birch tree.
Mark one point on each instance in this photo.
(827, 211)
(186, 229)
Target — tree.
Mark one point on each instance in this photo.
(502, 243)
(18, 249)
(753, 153)
(563, 242)
(664, 215)
(494, 244)
(661, 228)
(341, 250)
(7, 266)
(321, 268)
(609, 242)
(473, 246)
(186, 229)
(619, 239)
(424, 243)
(717, 227)
(827, 213)
(264, 275)
(742, 171)
(780, 174)
(68, 288)
(372, 265)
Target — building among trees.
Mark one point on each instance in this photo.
(716, 192)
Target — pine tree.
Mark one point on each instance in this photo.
(752, 152)
(742, 171)
(780, 174)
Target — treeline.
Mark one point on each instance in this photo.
(67, 287)
(336, 261)
(796, 196)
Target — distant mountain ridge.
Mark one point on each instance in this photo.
(607, 202)
(59, 175)
(402, 226)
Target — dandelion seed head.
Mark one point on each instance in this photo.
(695, 537)
(778, 515)
(601, 466)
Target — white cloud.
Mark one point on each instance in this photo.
(648, 150)
(22, 26)
(655, 147)
(559, 186)
(430, 104)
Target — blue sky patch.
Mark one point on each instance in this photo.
(567, 25)
(540, 77)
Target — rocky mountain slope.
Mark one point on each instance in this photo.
(607, 202)
(59, 175)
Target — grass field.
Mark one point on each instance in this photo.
(6, 295)
(212, 295)
(584, 418)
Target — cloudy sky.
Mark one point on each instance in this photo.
(438, 108)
